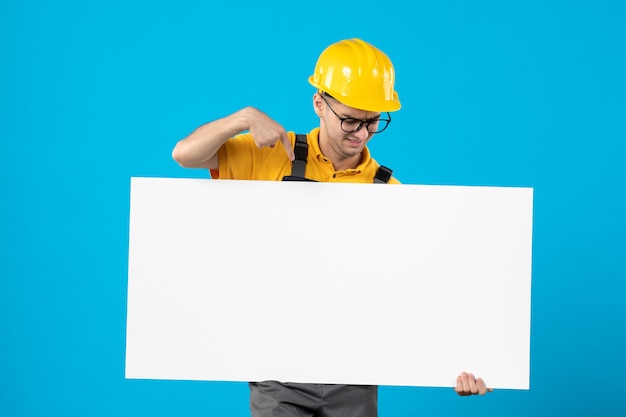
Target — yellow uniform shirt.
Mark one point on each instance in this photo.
(241, 159)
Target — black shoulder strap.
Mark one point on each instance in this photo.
(382, 175)
(301, 150)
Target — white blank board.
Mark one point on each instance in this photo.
(328, 283)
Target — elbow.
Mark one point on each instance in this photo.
(187, 157)
(178, 155)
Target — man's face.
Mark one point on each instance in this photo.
(334, 140)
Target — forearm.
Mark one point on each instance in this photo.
(199, 149)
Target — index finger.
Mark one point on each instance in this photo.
(459, 385)
(287, 144)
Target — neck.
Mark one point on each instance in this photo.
(346, 163)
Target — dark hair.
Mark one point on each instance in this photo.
(324, 93)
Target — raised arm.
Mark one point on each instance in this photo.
(199, 149)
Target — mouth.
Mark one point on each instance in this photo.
(354, 142)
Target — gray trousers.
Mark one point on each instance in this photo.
(276, 399)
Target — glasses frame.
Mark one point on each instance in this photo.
(361, 122)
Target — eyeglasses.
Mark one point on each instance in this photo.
(351, 125)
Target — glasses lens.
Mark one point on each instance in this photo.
(377, 126)
(351, 125)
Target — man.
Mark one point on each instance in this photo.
(355, 93)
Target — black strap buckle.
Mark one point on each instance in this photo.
(383, 175)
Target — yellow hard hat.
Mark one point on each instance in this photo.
(358, 75)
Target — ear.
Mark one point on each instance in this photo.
(318, 104)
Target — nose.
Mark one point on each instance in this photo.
(362, 133)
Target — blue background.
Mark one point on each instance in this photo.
(507, 93)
